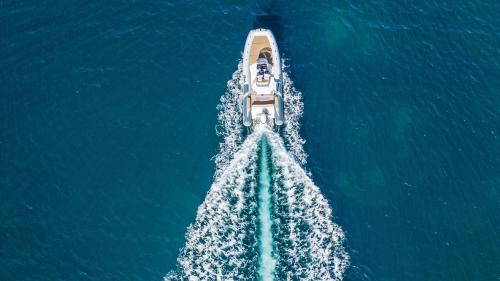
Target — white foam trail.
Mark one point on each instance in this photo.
(267, 262)
(220, 242)
(294, 108)
(312, 244)
(229, 126)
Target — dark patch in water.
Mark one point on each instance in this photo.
(272, 22)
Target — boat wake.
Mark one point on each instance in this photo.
(263, 218)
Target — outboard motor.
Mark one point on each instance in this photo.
(264, 116)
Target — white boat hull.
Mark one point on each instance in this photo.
(262, 99)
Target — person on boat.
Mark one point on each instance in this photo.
(263, 71)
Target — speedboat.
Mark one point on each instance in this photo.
(262, 100)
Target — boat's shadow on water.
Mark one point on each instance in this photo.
(272, 22)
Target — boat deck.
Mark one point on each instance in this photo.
(258, 43)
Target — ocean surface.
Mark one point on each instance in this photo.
(111, 133)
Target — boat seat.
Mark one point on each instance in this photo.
(263, 103)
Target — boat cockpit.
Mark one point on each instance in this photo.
(263, 74)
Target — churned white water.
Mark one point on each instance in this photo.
(310, 244)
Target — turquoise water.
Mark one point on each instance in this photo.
(267, 261)
(108, 131)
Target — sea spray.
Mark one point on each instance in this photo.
(267, 262)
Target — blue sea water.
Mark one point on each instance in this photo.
(108, 118)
